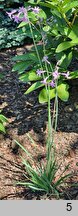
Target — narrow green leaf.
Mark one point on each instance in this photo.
(22, 66)
(22, 147)
(2, 128)
(3, 118)
(73, 75)
(30, 185)
(36, 188)
(61, 180)
(34, 86)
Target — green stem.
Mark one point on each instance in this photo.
(35, 44)
(36, 50)
(75, 15)
(56, 108)
(66, 19)
(51, 143)
(49, 123)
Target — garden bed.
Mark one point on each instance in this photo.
(26, 116)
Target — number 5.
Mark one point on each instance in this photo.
(69, 206)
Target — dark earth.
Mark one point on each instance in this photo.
(26, 116)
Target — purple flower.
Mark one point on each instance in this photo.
(22, 10)
(23, 16)
(19, 15)
(36, 10)
(66, 74)
(56, 74)
(44, 81)
(52, 84)
(24, 19)
(29, 8)
(39, 72)
(11, 13)
(16, 18)
(45, 59)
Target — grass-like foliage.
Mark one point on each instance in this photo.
(42, 177)
(3, 119)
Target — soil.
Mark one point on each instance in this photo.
(27, 117)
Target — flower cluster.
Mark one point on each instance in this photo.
(18, 15)
(55, 74)
(21, 14)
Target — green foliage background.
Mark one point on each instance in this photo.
(9, 35)
(60, 27)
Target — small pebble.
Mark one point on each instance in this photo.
(69, 108)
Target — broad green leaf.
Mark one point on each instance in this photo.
(2, 128)
(72, 33)
(43, 95)
(65, 2)
(22, 24)
(64, 59)
(29, 76)
(26, 57)
(42, 14)
(70, 5)
(31, 2)
(48, 4)
(65, 45)
(34, 87)
(62, 91)
(22, 66)
(32, 16)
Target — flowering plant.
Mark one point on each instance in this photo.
(38, 63)
(41, 65)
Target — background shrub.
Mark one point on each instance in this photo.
(9, 35)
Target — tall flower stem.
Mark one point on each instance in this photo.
(35, 44)
(51, 133)
(50, 141)
(38, 56)
(51, 121)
